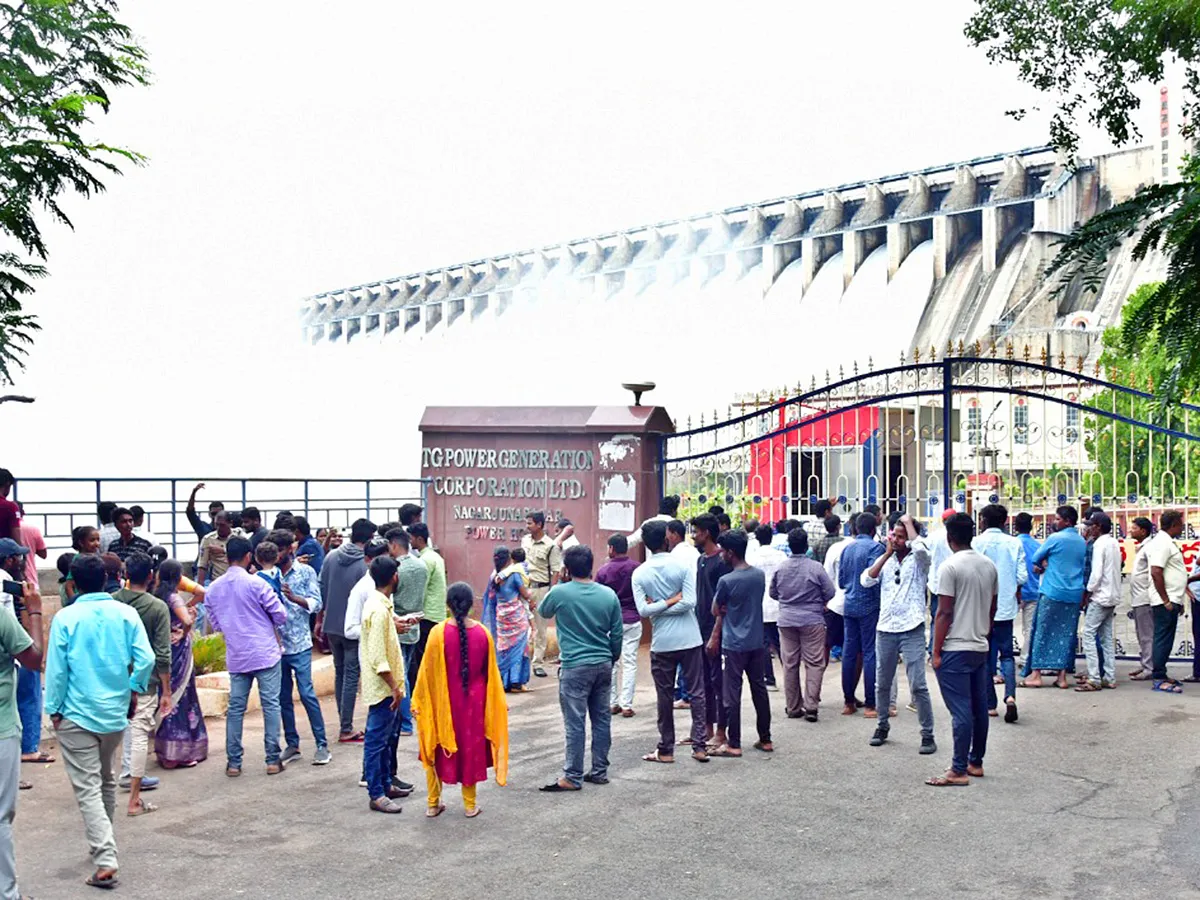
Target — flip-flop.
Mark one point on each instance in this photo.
(656, 758)
(356, 737)
(700, 756)
(1167, 687)
(1086, 687)
(105, 884)
(41, 758)
(432, 812)
(1139, 676)
(1030, 687)
(724, 753)
(555, 788)
(24, 786)
(943, 781)
(472, 813)
(762, 745)
(143, 808)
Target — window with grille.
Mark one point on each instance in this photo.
(1021, 425)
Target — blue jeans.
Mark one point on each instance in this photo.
(583, 691)
(300, 665)
(889, 647)
(406, 719)
(1000, 645)
(859, 640)
(268, 695)
(681, 688)
(29, 706)
(770, 642)
(379, 748)
(963, 678)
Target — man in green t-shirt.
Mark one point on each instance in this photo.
(23, 644)
(435, 588)
(590, 633)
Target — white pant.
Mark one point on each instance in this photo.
(630, 641)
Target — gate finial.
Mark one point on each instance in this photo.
(1080, 365)
(960, 347)
(978, 348)
(1045, 356)
(1062, 358)
(932, 353)
(1026, 353)
(1008, 350)
(916, 356)
(949, 347)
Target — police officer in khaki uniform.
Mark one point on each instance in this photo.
(544, 558)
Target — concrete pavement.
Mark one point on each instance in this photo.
(1089, 795)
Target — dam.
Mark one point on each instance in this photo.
(759, 297)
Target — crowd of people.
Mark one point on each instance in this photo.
(722, 603)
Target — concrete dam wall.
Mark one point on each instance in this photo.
(763, 296)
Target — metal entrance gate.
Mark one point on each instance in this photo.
(961, 431)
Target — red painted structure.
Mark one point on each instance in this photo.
(768, 471)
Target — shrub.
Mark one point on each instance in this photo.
(208, 653)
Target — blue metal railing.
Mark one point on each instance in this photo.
(57, 505)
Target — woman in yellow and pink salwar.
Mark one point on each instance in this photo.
(459, 706)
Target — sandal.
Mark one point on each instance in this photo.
(1108, 685)
(355, 737)
(1139, 676)
(432, 812)
(143, 807)
(724, 752)
(700, 756)
(944, 781)
(105, 884)
(1030, 687)
(472, 813)
(764, 746)
(1191, 679)
(40, 758)
(1087, 687)
(555, 787)
(1167, 687)
(657, 757)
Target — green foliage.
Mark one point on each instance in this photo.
(58, 61)
(208, 653)
(1130, 459)
(1092, 55)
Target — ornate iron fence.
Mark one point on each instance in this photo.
(962, 430)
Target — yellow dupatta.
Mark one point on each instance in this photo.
(431, 706)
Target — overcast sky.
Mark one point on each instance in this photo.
(309, 146)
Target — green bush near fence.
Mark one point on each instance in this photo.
(208, 653)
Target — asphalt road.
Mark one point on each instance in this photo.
(1090, 795)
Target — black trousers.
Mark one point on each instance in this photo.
(419, 652)
(714, 709)
(750, 662)
(662, 670)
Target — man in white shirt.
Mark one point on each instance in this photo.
(565, 534)
(668, 509)
(834, 623)
(1168, 592)
(768, 559)
(1100, 604)
(939, 552)
(678, 544)
(1139, 598)
(1007, 554)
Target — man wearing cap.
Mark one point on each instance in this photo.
(545, 568)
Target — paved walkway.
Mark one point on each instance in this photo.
(1092, 795)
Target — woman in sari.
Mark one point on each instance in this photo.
(182, 740)
(458, 702)
(506, 616)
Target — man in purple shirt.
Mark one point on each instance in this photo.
(617, 574)
(247, 611)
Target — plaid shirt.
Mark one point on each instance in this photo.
(819, 546)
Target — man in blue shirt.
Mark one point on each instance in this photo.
(98, 661)
(861, 613)
(1007, 554)
(1060, 562)
(665, 593)
(307, 545)
(1023, 526)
